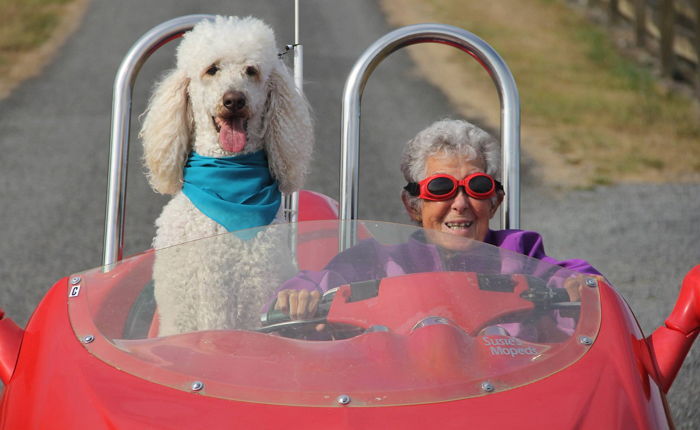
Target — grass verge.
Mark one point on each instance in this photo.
(589, 115)
(30, 31)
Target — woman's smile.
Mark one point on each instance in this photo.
(461, 215)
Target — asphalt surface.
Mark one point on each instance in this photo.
(54, 135)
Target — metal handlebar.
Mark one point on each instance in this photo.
(352, 95)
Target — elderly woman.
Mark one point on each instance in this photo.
(452, 170)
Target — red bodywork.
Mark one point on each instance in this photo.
(619, 383)
(58, 384)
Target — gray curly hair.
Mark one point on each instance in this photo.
(448, 137)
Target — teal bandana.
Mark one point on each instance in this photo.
(237, 192)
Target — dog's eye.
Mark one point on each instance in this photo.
(211, 71)
(251, 71)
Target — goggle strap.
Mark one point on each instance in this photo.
(413, 188)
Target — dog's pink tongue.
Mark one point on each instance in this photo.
(232, 136)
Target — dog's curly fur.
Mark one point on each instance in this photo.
(217, 59)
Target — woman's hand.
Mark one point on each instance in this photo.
(576, 284)
(299, 304)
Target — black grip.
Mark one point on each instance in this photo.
(560, 295)
(545, 296)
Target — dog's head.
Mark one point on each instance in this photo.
(229, 94)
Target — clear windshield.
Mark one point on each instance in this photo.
(405, 316)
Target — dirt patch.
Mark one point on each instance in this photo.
(586, 120)
(25, 65)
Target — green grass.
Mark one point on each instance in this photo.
(602, 111)
(27, 24)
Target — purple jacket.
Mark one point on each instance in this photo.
(371, 260)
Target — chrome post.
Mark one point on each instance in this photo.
(352, 97)
(291, 201)
(119, 137)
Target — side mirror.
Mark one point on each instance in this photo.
(10, 341)
(670, 343)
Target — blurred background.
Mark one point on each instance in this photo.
(610, 128)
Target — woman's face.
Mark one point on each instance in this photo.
(461, 216)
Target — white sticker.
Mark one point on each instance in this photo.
(74, 291)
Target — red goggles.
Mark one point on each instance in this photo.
(443, 187)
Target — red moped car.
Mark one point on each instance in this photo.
(491, 343)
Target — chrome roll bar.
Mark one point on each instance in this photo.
(121, 116)
(352, 96)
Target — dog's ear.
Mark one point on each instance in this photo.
(288, 130)
(167, 132)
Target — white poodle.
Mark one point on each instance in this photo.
(230, 95)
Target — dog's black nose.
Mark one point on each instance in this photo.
(234, 101)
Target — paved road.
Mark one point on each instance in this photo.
(54, 132)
